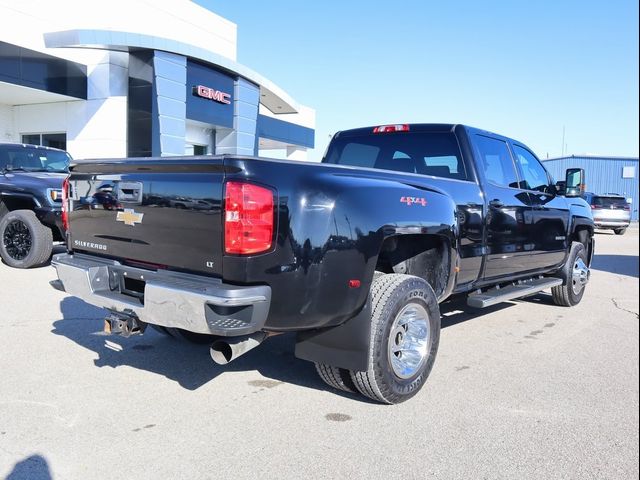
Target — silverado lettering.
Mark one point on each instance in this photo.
(95, 246)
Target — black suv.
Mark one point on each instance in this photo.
(30, 202)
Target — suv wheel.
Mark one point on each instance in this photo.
(619, 231)
(405, 332)
(24, 241)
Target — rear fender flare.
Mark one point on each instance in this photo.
(368, 216)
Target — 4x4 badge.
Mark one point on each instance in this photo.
(129, 217)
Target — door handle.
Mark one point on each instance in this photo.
(495, 203)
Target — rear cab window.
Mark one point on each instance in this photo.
(425, 153)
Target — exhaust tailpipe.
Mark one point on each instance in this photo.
(226, 350)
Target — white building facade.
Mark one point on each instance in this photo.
(138, 78)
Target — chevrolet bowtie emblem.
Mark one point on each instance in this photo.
(129, 217)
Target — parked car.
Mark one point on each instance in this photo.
(354, 255)
(31, 179)
(610, 211)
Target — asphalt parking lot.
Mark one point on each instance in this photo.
(523, 390)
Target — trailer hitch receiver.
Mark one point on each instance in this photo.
(124, 324)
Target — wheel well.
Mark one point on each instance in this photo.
(9, 204)
(425, 256)
(584, 235)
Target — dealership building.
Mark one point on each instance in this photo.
(139, 78)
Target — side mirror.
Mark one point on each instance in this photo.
(574, 183)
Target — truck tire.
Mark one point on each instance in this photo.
(335, 377)
(405, 333)
(619, 231)
(575, 274)
(24, 241)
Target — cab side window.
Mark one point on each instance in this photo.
(534, 176)
(497, 162)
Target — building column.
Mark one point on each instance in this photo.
(97, 127)
(242, 139)
(169, 104)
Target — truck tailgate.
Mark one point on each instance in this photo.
(162, 212)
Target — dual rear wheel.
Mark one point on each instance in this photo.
(405, 333)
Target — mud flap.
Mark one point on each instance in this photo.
(344, 346)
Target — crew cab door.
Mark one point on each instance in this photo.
(509, 211)
(550, 215)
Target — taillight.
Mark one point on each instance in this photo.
(391, 128)
(248, 218)
(627, 207)
(65, 204)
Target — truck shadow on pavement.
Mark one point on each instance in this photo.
(191, 366)
(619, 264)
(455, 311)
(187, 364)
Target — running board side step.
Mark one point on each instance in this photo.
(517, 290)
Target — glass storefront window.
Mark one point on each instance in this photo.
(191, 149)
(54, 140)
(199, 149)
(32, 139)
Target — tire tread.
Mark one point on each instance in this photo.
(335, 377)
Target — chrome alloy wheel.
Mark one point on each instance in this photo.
(580, 275)
(409, 340)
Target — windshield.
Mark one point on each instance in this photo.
(423, 153)
(29, 159)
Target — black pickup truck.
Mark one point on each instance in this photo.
(354, 255)
(31, 179)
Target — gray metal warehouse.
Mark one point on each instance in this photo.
(604, 175)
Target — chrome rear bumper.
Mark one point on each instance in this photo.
(196, 303)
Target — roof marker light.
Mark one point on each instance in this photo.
(401, 127)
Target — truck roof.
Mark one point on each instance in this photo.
(428, 127)
(414, 127)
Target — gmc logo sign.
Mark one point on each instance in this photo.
(212, 94)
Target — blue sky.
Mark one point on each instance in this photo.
(521, 68)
